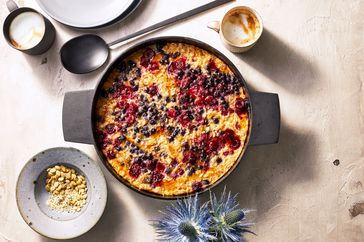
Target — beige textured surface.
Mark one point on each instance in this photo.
(311, 53)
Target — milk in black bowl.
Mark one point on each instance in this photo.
(26, 30)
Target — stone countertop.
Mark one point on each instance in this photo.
(311, 54)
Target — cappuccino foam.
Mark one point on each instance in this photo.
(241, 27)
(26, 30)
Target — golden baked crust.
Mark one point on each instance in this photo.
(172, 119)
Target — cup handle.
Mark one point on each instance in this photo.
(11, 5)
(214, 25)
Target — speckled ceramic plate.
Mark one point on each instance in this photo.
(32, 197)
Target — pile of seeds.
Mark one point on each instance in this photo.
(68, 190)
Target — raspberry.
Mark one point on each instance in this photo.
(189, 157)
(152, 90)
(171, 113)
(178, 173)
(110, 128)
(135, 170)
(160, 167)
(211, 65)
(153, 66)
(110, 154)
(130, 119)
(176, 66)
(231, 139)
(156, 179)
(147, 56)
(197, 186)
(241, 106)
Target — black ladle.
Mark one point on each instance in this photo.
(86, 53)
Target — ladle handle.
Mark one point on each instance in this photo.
(166, 22)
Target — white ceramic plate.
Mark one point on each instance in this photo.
(32, 197)
(84, 13)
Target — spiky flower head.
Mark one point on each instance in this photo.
(185, 221)
(228, 221)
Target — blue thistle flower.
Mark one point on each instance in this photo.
(186, 221)
(228, 220)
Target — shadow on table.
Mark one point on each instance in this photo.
(278, 61)
(133, 21)
(260, 178)
(112, 224)
(265, 171)
(49, 70)
(53, 77)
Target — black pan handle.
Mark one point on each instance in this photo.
(266, 117)
(76, 116)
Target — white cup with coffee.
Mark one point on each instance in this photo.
(239, 29)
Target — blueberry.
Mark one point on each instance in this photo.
(191, 116)
(186, 146)
(131, 65)
(111, 90)
(121, 66)
(176, 54)
(168, 170)
(164, 60)
(191, 171)
(103, 93)
(170, 129)
(171, 138)
(159, 46)
(180, 75)
(143, 98)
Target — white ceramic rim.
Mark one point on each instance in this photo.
(101, 182)
(106, 20)
(259, 19)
